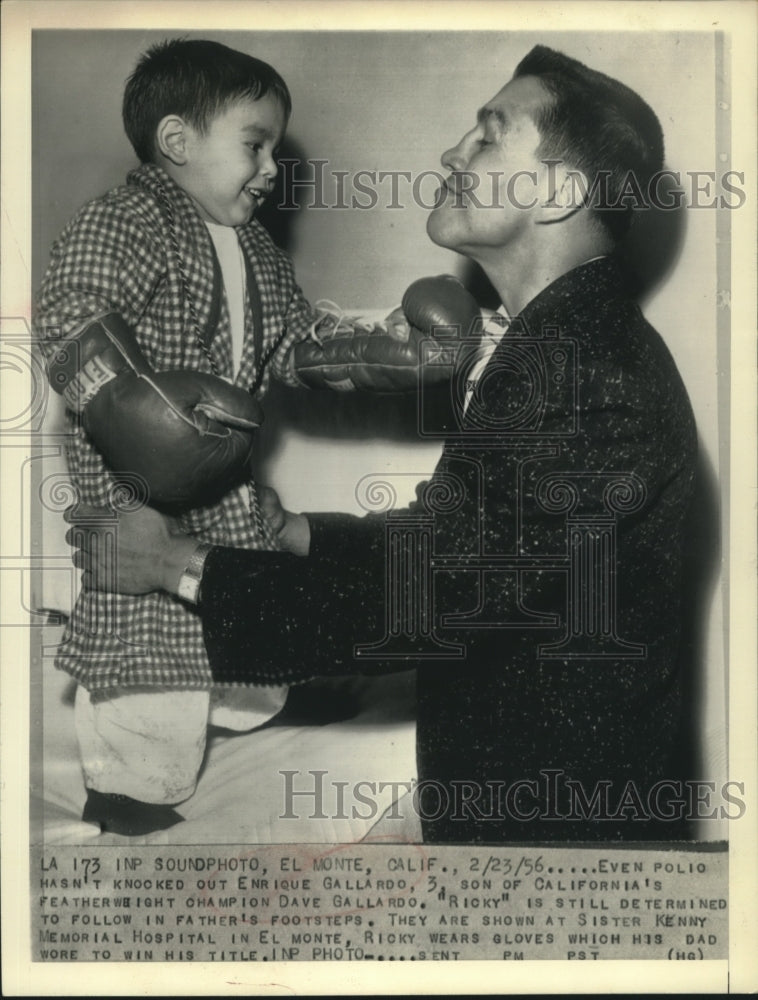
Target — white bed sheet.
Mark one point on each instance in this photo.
(240, 796)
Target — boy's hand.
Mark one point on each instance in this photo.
(271, 507)
(292, 530)
(133, 553)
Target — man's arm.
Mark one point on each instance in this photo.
(272, 617)
(149, 555)
(268, 617)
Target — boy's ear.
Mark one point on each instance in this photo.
(171, 139)
(566, 190)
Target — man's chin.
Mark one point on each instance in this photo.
(439, 230)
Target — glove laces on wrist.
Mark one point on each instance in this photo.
(330, 320)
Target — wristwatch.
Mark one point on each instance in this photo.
(189, 582)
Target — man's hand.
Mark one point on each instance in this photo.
(133, 553)
(292, 530)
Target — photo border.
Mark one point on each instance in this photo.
(738, 21)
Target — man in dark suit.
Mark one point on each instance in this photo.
(536, 583)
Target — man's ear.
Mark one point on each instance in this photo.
(171, 139)
(566, 189)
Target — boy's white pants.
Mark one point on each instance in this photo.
(149, 743)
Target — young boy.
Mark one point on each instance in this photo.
(179, 256)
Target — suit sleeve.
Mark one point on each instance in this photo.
(273, 618)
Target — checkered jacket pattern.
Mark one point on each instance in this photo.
(143, 251)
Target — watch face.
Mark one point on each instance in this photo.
(188, 588)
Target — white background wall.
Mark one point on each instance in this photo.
(396, 101)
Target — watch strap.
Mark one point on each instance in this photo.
(189, 582)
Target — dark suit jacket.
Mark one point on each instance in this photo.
(560, 505)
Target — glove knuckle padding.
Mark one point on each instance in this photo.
(441, 301)
(187, 434)
(357, 361)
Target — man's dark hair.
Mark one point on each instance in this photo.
(597, 125)
(195, 79)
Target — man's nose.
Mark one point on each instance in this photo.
(455, 158)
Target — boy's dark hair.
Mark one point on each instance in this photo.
(597, 125)
(195, 79)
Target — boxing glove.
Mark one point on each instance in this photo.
(350, 356)
(189, 435)
(441, 306)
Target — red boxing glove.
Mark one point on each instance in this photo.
(189, 435)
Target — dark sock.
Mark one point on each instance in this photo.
(317, 704)
(115, 813)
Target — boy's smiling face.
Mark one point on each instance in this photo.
(230, 168)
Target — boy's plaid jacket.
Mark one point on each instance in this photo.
(142, 251)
